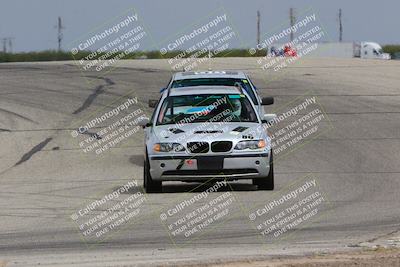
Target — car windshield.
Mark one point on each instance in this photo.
(206, 108)
(216, 81)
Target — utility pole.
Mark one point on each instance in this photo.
(10, 44)
(258, 27)
(4, 45)
(292, 22)
(340, 26)
(7, 41)
(60, 34)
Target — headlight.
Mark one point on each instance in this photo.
(168, 147)
(251, 144)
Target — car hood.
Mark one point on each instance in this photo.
(208, 131)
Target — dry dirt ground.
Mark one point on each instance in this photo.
(370, 258)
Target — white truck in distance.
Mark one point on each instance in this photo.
(370, 50)
(364, 50)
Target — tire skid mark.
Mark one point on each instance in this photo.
(17, 115)
(151, 70)
(91, 134)
(33, 151)
(89, 100)
(100, 89)
(107, 80)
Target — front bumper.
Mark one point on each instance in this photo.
(205, 167)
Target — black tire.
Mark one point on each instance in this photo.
(266, 183)
(150, 186)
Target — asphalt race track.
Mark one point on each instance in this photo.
(46, 177)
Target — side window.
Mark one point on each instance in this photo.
(163, 111)
(168, 83)
(250, 91)
(155, 111)
(252, 84)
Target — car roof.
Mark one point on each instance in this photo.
(203, 90)
(209, 74)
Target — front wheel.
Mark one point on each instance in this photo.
(150, 186)
(266, 183)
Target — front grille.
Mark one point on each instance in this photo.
(198, 147)
(221, 146)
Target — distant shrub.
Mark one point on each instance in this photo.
(391, 49)
(52, 55)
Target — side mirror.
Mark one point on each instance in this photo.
(268, 118)
(267, 101)
(162, 90)
(144, 122)
(153, 103)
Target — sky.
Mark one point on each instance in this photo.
(32, 22)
